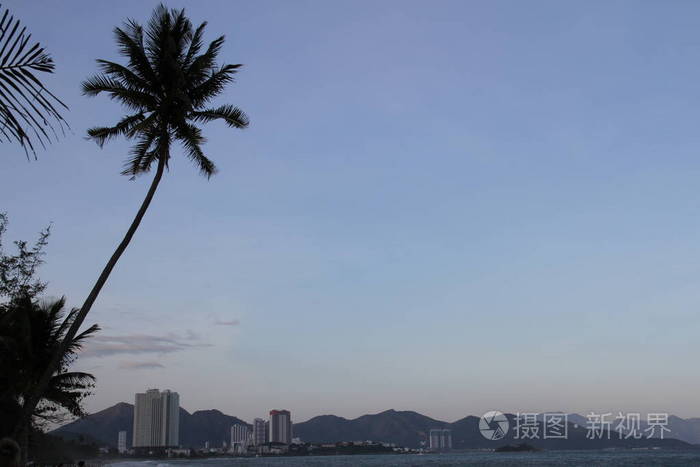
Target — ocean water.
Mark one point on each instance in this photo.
(547, 458)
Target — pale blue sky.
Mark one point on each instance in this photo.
(448, 207)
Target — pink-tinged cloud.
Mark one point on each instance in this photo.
(140, 365)
(233, 322)
(104, 346)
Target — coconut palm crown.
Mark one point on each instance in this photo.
(167, 85)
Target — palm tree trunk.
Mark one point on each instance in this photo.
(23, 441)
(31, 402)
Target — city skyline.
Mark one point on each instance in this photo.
(531, 240)
(156, 423)
(207, 431)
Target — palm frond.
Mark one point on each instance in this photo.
(128, 96)
(29, 112)
(157, 32)
(233, 116)
(203, 65)
(124, 127)
(181, 33)
(141, 154)
(77, 342)
(166, 38)
(52, 312)
(65, 323)
(125, 76)
(191, 138)
(213, 85)
(195, 45)
(72, 378)
(130, 42)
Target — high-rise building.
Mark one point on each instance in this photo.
(239, 437)
(446, 439)
(440, 439)
(259, 432)
(156, 419)
(121, 442)
(434, 439)
(280, 426)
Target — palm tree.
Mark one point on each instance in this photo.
(166, 85)
(27, 108)
(31, 333)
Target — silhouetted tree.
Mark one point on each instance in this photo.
(32, 332)
(18, 271)
(167, 83)
(27, 108)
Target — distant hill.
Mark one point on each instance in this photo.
(207, 425)
(102, 426)
(411, 429)
(195, 428)
(405, 428)
(686, 429)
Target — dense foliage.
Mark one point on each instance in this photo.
(31, 331)
(29, 113)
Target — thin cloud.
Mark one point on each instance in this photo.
(233, 322)
(136, 344)
(140, 365)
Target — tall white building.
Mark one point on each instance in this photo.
(239, 437)
(121, 442)
(156, 419)
(259, 432)
(280, 426)
(440, 439)
(446, 439)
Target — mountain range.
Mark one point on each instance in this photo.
(404, 428)
(195, 428)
